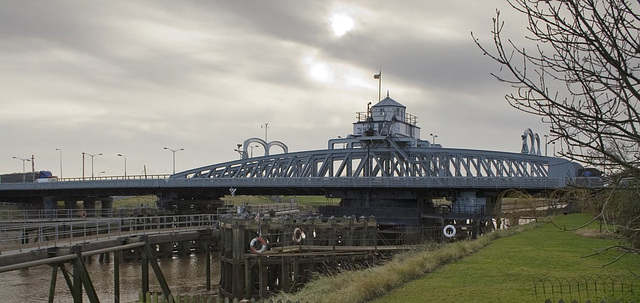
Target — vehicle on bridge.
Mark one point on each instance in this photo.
(36, 176)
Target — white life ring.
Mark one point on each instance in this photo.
(298, 235)
(253, 243)
(449, 231)
(83, 214)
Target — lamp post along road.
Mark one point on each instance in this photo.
(174, 156)
(433, 138)
(24, 178)
(90, 155)
(60, 150)
(125, 163)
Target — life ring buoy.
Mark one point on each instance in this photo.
(253, 243)
(298, 235)
(83, 214)
(449, 231)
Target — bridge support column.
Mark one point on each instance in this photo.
(71, 204)
(107, 206)
(165, 250)
(90, 207)
(49, 204)
(184, 248)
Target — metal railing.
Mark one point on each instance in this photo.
(128, 177)
(22, 216)
(17, 237)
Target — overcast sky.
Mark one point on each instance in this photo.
(132, 77)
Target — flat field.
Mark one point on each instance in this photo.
(504, 271)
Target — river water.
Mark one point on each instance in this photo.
(185, 276)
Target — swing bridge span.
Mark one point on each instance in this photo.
(333, 170)
(384, 153)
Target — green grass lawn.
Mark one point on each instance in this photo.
(504, 271)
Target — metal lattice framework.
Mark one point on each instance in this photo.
(392, 163)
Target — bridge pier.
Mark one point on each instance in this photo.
(184, 248)
(90, 207)
(49, 204)
(165, 250)
(71, 204)
(107, 206)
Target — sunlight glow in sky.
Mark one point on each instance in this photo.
(129, 77)
(341, 24)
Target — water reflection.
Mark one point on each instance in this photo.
(185, 275)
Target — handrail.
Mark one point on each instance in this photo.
(43, 234)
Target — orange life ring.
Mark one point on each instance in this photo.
(253, 243)
(298, 235)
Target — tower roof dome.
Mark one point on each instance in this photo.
(388, 102)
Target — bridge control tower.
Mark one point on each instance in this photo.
(385, 120)
(388, 132)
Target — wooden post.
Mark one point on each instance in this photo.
(237, 246)
(248, 283)
(363, 231)
(207, 265)
(52, 287)
(284, 274)
(347, 231)
(66, 276)
(332, 232)
(262, 278)
(117, 256)
(77, 276)
(145, 273)
(153, 261)
(80, 270)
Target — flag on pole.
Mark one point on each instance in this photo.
(377, 76)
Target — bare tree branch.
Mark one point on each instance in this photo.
(583, 79)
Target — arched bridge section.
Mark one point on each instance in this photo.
(390, 166)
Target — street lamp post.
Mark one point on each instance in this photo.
(24, 178)
(546, 143)
(241, 152)
(90, 155)
(433, 138)
(251, 148)
(60, 150)
(174, 156)
(125, 163)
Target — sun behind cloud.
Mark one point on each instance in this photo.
(341, 23)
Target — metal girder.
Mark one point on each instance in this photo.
(389, 161)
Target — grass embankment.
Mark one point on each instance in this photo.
(493, 268)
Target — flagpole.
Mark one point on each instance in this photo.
(379, 84)
(379, 77)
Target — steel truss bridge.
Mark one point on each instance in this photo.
(387, 167)
(319, 171)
